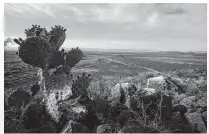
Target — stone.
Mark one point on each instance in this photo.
(116, 110)
(204, 116)
(178, 98)
(179, 108)
(156, 83)
(189, 102)
(126, 117)
(104, 128)
(120, 92)
(202, 102)
(195, 120)
(152, 98)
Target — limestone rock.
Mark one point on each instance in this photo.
(195, 120)
(104, 128)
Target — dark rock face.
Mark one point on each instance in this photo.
(116, 110)
(19, 97)
(153, 101)
(126, 117)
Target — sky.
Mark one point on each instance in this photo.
(165, 27)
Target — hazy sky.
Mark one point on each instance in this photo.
(117, 26)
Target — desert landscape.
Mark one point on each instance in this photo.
(109, 68)
(105, 68)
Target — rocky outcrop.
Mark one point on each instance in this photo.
(196, 121)
(121, 91)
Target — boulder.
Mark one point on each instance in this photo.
(121, 91)
(204, 116)
(202, 102)
(104, 128)
(126, 117)
(19, 98)
(196, 121)
(156, 82)
(74, 127)
(53, 100)
(152, 98)
(189, 102)
(178, 98)
(117, 109)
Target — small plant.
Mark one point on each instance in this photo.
(80, 85)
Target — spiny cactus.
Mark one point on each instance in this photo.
(57, 37)
(34, 115)
(40, 46)
(80, 85)
(35, 51)
(19, 98)
(73, 57)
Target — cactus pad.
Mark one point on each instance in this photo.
(73, 57)
(57, 37)
(18, 98)
(40, 46)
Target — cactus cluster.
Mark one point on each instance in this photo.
(80, 85)
(41, 49)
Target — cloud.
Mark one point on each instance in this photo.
(29, 10)
(94, 24)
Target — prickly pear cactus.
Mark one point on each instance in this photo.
(73, 57)
(19, 98)
(40, 46)
(57, 37)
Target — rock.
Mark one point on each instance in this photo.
(117, 109)
(195, 120)
(179, 108)
(120, 91)
(179, 127)
(125, 117)
(19, 98)
(156, 83)
(204, 116)
(53, 100)
(189, 102)
(178, 98)
(132, 129)
(104, 128)
(202, 102)
(152, 99)
(74, 127)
